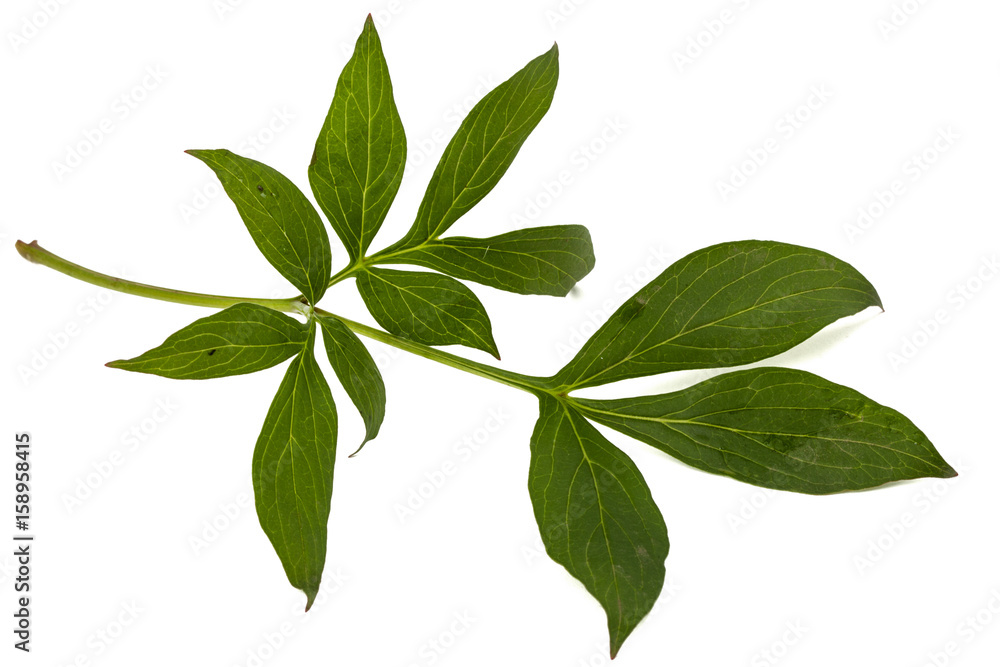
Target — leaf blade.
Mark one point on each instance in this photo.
(427, 307)
(604, 528)
(360, 153)
(484, 147)
(284, 225)
(293, 472)
(778, 428)
(244, 338)
(357, 372)
(538, 260)
(725, 305)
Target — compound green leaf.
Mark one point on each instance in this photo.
(538, 260)
(293, 472)
(725, 305)
(284, 225)
(427, 307)
(484, 147)
(360, 153)
(357, 372)
(244, 338)
(597, 516)
(778, 428)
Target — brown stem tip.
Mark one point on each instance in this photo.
(26, 249)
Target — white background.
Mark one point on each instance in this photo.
(744, 566)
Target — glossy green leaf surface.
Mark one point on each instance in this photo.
(485, 146)
(284, 225)
(357, 372)
(597, 516)
(244, 338)
(358, 162)
(725, 305)
(538, 260)
(427, 308)
(778, 428)
(293, 472)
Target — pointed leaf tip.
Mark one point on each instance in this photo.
(356, 451)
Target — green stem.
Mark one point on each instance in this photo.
(39, 255)
(528, 383)
(378, 258)
(35, 253)
(346, 272)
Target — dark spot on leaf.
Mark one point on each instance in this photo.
(211, 352)
(260, 188)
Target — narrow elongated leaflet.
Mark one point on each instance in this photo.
(538, 260)
(778, 428)
(427, 308)
(293, 472)
(357, 372)
(484, 147)
(358, 162)
(596, 516)
(283, 224)
(244, 338)
(725, 305)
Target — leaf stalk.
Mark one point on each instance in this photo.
(38, 255)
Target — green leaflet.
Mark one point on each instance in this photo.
(427, 308)
(358, 162)
(538, 260)
(596, 516)
(484, 147)
(293, 472)
(357, 372)
(283, 224)
(244, 338)
(725, 305)
(778, 428)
